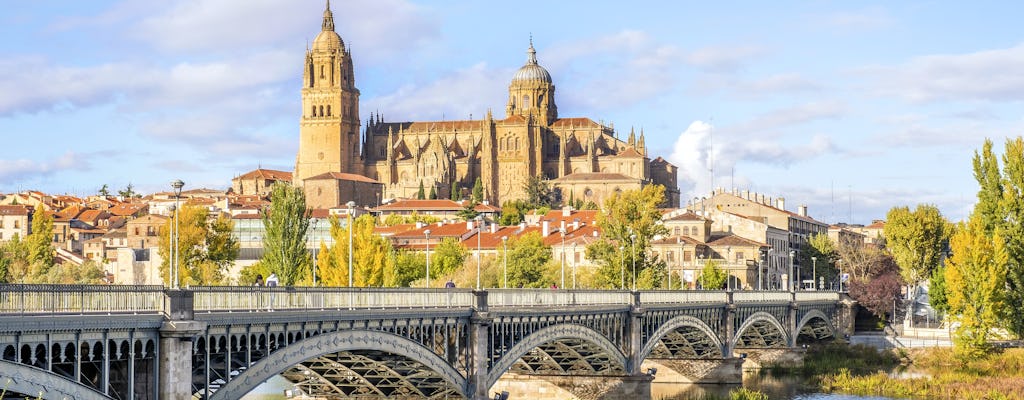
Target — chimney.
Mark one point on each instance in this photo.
(801, 210)
(486, 202)
(562, 225)
(419, 224)
(780, 203)
(469, 225)
(566, 211)
(576, 224)
(746, 195)
(440, 224)
(545, 229)
(494, 228)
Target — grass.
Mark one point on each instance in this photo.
(942, 376)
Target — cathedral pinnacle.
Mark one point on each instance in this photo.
(328, 24)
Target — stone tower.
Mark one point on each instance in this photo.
(329, 129)
(532, 91)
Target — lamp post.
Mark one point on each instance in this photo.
(622, 268)
(839, 266)
(504, 264)
(351, 204)
(574, 265)
(177, 184)
(479, 232)
(426, 235)
(814, 272)
(314, 250)
(563, 260)
(632, 242)
(792, 254)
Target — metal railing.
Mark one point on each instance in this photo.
(817, 296)
(249, 298)
(762, 297)
(548, 297)
(18, 299)
(683, 296)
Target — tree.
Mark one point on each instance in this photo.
(422, 193)
(916, 240)
(976, 278)
(89, 273)
(819, 257)
(455, 195)
(128, 191)
(14, 264)
(527, 257)
(205, 249)
(512, 212)
(104, 190)
(372, 256)
(862, 261)
(40, 245)
(285, 224)
(937, 290)
(478, 191)
(712, 277)
(448, 256)
(468, 212)
(879, 294)
(433, 192)
(629, 221)
(539, 193)
(408, 266)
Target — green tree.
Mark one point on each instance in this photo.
(14, 260)
(468, 212)
(455, 195)
(408, 267)
(512, 212)
(40, 245)
(128, 192)
(285, 224)
(527, 257)
(539, 193)
(819, 256)
(205, 249)
(629, 221)
(1010, 221)
(976, 279)
(422, 193)
(916, 240)
(937, 290)
(712, 277)
(104, 190)
(448, 256)
(433, 192)
(89, 273)
(478, 191)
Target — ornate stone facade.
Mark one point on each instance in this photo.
(574, 154)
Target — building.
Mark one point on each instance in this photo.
(15, 220)
(576, 155)
(439, 208)
(259, 181)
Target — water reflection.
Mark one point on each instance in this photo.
(776, 387)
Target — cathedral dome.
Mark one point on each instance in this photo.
(328, 40)
(531, 71)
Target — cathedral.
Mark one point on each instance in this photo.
(579, 158)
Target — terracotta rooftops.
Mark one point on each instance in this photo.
(14, 210)
(424, 205)
(343, 176)
(261, 173)
(594, 176)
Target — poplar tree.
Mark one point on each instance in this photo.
(40, 244)
(917, 240)
(285, 224)
(205, 249)
(527, 257)
(976, 279)
(478, 191)
(421, 194)
(454, 195)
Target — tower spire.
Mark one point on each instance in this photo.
(531, 54)
(328, 24)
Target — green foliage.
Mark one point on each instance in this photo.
(433, 192)
(398, 219)
(478, 191)
(512, 212)
(937, 290)
(712, 277)
(468, 213)
(455, 195)
(916, 240)
(422, 193)
(819, 255)
(40, 244)
(284, 241)
(539, 193)
(409, 266)
(128, 191)
(104, 190)
(629, 222)
(527, 257)
(448, 256)
(976, 278)
(89, 273)
(14, 265)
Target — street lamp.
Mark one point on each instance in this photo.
(351, 204)
(839, 265)
(177, 184)
(426, 235)
(563, 260)
(814, 272)
(479, 232)
(504, 264)
(574, 265)
(622, 268)
(792, 254)
(315, 248)
(632, 243)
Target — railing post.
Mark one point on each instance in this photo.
(729, 324)
(793, 308)
(479, 322)
(634, 330)
(176, 335)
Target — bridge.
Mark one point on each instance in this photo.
(149, 342)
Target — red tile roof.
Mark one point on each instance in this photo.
(343, 176)
(261, 173)
(16, 209)
(418, 205)
(595, 176)
(579, 122)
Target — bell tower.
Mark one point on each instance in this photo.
(329, 127)
(532, 91)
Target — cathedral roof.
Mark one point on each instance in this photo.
(328, 39)
(594, 176)
(261, 173)
(532, 71)
(582, 122)
(342, 176)
(630, 152)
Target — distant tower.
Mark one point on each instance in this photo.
(532, 92)
(329, 128)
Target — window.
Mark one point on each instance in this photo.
(739, 256)
(670, 257)
(321, 72)
(687, 255)
(17, 224)
(526, 102)
(676, 231)
(328, 110)
(321, 111)
(312, 112)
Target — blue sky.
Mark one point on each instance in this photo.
(848, 107)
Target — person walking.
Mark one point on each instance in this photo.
(259, 280)
(271, 282)
(450, 284)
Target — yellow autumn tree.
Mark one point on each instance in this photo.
(369, 254)
(975, 279)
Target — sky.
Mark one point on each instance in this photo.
(850, 108)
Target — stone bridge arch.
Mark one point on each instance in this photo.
(761, 322)
(33, 381)
(673, 325)
(819, 331)
(552, 334)
(351, 340)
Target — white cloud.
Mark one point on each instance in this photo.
(724, 59)
(776, 84)
(790, 116)
(23, 169)
(991, 75)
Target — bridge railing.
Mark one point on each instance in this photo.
(548, 297)
(761, 297)
(249, 298)
(817, 296)
(20, 299)
(682, 296)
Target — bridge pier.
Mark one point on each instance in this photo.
(582, 387)
(786, 358)
(478, 335)
(708, 371)
(176, 334)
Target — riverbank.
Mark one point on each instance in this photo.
(927, 373)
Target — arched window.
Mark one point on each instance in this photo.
(328, 110)
(540, 100)
(526, 102)
(312, 113)
(677, 231)
(321, 111)
(322, 72)
(517, 144)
